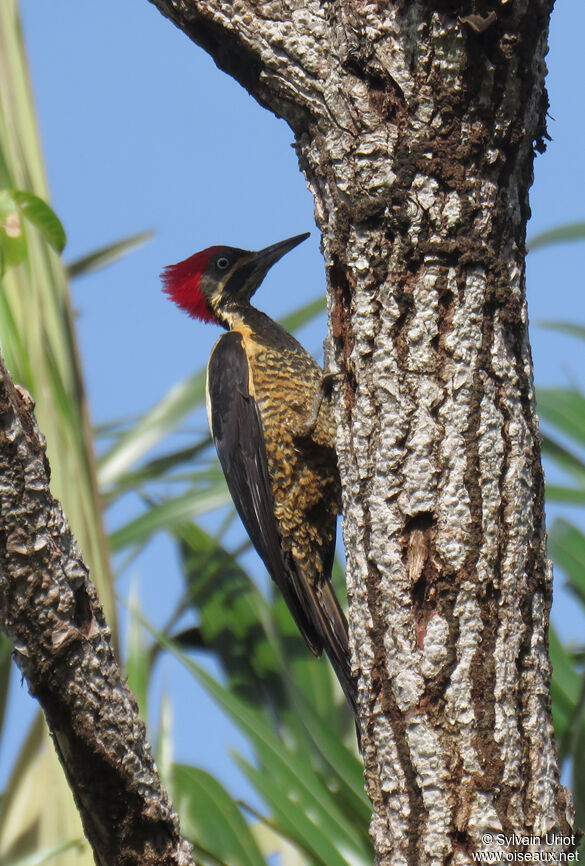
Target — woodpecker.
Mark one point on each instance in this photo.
(274, 437)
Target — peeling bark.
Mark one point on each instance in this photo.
(50, 611)
(416, 125)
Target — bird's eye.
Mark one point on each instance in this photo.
(222, 263)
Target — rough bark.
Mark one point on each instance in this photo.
(416, 125)
(50, 611)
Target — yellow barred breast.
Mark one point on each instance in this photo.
(303, 469)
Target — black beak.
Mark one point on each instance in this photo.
(264, 259)
(248, 275)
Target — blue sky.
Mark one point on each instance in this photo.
(140, 130)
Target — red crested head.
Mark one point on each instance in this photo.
(213, 283)
(182, 283)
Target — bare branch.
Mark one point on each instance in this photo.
(51, 613)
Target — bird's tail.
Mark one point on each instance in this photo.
(333, 628)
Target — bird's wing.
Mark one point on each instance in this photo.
(236, 427)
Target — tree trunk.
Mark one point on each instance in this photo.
(415, 126)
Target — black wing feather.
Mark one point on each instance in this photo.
(238, 433)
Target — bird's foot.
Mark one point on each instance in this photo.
(323, 392)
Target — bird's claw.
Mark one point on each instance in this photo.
(323, 391)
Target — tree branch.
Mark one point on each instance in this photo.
(260, 44)
(50, 611)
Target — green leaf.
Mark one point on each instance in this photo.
(291, 774)
(565, 328)
(113, 429)
(558, 235)
(564, 459)
(161, 467)
(578, 778)
(212, 819)
(107, 255)
(164, 744)
(254, 641)
(565, 690)
(45, 855)
(39, 346)
(12, 239)
(169, 514)
(568, 495)
(234, 618)
(565, 408)
(137, 656)
(567, 547)
(310, 311)
(311, 675)
(38, 212)
(271, 842)
(346, 766)
(161, 420)
(292, 820)
(5, 671)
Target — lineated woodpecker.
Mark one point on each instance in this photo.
(274, 438)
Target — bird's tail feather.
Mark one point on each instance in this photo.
(333, 628)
